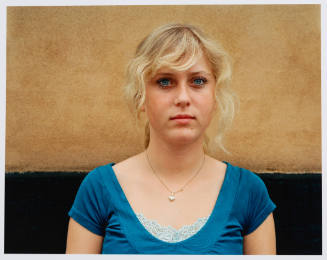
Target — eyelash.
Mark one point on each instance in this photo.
(159, 82)
(204, 81)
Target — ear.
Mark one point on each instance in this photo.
(143, 108)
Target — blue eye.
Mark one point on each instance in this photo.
(164, 82)
(199, 81)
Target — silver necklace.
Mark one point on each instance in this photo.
(172, 197)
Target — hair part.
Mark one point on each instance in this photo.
(178, 46)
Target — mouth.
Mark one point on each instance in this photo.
(182, 119)
(184, 116)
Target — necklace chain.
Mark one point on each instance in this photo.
(172, 193)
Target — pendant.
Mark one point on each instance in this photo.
(171, 197)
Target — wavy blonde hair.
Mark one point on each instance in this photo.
(178, 46)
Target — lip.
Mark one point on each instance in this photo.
(183, 119)
(182, 116)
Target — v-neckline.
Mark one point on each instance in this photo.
(216, 215)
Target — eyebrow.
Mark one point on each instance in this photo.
(202, 72)
(192, 73)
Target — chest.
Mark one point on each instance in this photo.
(221, 234)
(147, 196)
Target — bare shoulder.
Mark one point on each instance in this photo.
(215, 170)
(216, 165)
(130, 165)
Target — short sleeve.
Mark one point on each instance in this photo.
(259, 204)
(90, 207)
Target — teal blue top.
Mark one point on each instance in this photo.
(101, 206)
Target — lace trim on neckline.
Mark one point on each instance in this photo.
(169, 233)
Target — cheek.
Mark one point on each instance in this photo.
(207, 104)
(155, 106)
(214, 106)
(209, 111)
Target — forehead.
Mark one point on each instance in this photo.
(198, 63)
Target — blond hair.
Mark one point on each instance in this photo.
(178, 46)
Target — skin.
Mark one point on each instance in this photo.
(170, 93)
(82, 241)
(262, 241)
(176, 146)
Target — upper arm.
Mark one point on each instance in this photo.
(262, 241)
(82, 241)
(89, 216)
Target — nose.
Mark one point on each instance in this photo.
(182, 98)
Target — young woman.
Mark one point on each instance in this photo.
(173, 198)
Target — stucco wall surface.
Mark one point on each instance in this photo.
(65, 71)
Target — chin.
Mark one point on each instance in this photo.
(184, 138)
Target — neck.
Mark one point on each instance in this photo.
(175, 162)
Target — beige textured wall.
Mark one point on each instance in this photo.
(65, 69)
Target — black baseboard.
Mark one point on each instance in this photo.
(36, 207)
